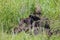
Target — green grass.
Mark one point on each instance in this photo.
(11, 11)
(23, 36)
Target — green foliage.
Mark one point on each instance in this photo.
(11, 11)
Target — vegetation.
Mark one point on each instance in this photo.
(11, 11)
